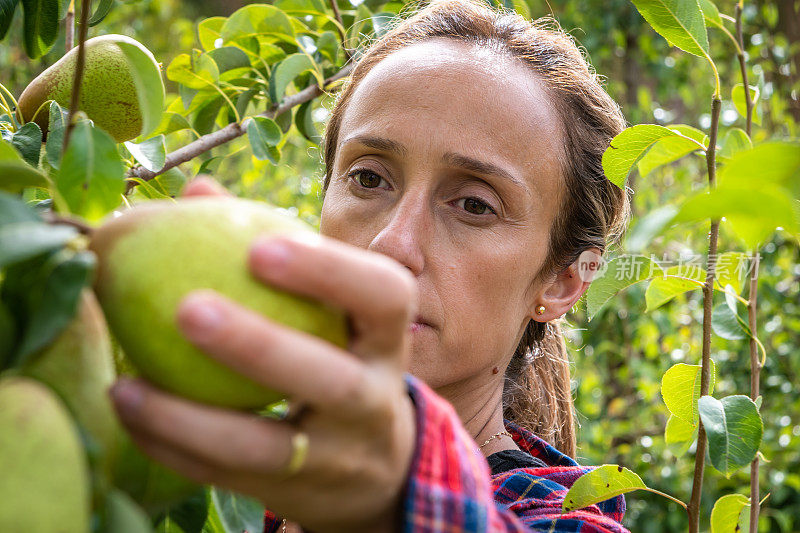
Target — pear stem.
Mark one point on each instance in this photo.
(79, 66)
(69, 23)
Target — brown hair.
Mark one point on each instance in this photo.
(537, 392)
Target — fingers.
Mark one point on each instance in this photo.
(204, 186)
(379, 294)
(222, 443)
(306, 368)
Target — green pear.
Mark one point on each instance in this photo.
(118, 72)
(153, 255)
(79, 367)
(44, 478)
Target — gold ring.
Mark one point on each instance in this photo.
(299, 453)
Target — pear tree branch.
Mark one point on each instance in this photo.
(232, 131)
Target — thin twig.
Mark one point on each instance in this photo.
(78, 78)
(69, 27)
(755, 377)
(693, 510)
(752, 305)
(231, 131)
(335, 6)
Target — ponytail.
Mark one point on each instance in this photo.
(537, 394)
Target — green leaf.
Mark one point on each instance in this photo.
(627, 148)
(754, 212)
(229, 58)
(677, 280)
(305, 123)
(53, 308)
(648, 227)
(735, 140)
(7, 8)
(680, 22)
(602, 483)
(301, 6)
(734, 430)
(100, 12)
(13, 210)
(209, 30)
(286, 71)
(16, 175)
(123, 515)
(8, 153)
(737, 96)
(171, 122)
(679, 435)
(264, 135)
(40, 26)
(236, 512)
(28, 142)
(151, 154)
(680, 389)
(727, 324)
(198, 74)
(21, 241)
(672, 148)
(206, 115)
(149, 85)
(57, 120)
(620, 272)
(328, 46)
(711, 13)
(257, 19)
(210, 165)
(731, 513)
(771, 163)
(91, 180)
(190, 514)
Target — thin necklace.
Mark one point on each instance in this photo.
(495, 436)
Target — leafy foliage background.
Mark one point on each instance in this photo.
(619, 356)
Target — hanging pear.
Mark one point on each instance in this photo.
(122, 90)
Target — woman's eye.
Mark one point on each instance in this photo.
(366, 178)
(475, 206)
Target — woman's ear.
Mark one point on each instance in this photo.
(559, 295)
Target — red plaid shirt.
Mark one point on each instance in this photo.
(450, 487)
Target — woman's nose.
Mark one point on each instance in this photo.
(404, 236)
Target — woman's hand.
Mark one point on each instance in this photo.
(356, 412)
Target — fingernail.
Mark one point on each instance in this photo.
(127, 395)
(200, 317)
(270, 253)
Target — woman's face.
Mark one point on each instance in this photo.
(448, 160)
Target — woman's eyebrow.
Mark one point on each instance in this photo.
(480, 167)
(451, 158)
(377, 143)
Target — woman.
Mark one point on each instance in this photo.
(463, 182)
